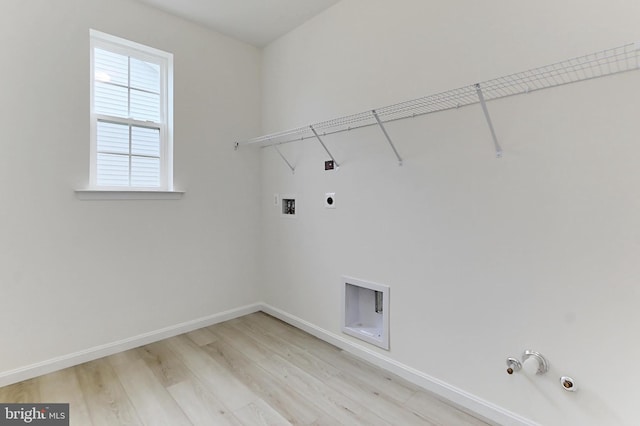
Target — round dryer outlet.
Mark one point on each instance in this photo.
(330, 200)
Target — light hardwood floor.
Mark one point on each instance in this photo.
(254, 370)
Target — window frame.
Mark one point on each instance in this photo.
(165, 125)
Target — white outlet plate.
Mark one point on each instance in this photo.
(330, 200)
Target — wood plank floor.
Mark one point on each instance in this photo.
(254, 370)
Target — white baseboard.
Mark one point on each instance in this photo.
(458, 397)
(65, 361)
(466, 401)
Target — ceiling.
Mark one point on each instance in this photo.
(257, 22)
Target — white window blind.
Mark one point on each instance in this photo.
(130, 115)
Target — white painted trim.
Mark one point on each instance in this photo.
(464, 400)
(145, 53)
(100, 194)
(128, 44)
(65, 361)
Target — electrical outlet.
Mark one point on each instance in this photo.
(330, 200)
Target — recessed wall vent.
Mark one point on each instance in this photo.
(366, 311)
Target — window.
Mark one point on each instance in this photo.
(131, 115)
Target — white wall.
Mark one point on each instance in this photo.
(77, 274)
(485, 257)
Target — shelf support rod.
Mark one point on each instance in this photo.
(293, 169)
(386, 135)
(486, 115)
(324, 146)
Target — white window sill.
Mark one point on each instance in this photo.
(100, 194)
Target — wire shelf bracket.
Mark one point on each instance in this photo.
(483, 103)
(386, 135)
(603, 63)
(324, 146)
(293, 169)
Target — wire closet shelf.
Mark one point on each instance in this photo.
(599, 64)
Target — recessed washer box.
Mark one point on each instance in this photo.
(366, 311)
(288, 207)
